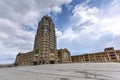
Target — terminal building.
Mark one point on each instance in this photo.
(46, 52)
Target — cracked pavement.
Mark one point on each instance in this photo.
(69, 71)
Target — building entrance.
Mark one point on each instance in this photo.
(52, 62)
(35, 63)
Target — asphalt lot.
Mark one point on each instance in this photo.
(71, 71)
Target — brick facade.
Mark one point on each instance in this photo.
(109, 54)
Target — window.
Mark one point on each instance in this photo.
(44, 51)
(46, 55)
(43, 55)
(46, 22)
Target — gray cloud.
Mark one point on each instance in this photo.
(81, 26)
(92, 29)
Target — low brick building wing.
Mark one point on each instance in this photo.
(24, 59)
(109, 54)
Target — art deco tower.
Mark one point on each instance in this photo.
(45, 42)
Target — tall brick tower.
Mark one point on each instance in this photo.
(45, 42)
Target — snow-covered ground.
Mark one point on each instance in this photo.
(72, 71)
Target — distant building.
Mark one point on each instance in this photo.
(109, 55)
(44, 51)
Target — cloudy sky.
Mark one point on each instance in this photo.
(82, 26)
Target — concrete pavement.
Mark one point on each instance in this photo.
(71, 71)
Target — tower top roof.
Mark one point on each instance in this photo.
(47, 17)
